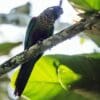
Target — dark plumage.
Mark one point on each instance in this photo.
(39, 28)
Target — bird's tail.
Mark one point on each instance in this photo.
(24, 74)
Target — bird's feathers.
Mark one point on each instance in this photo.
(24, 74)
(29, 31)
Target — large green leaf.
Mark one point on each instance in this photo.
(55, 75)
(88, 66)
(87, 5)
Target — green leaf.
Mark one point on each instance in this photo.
(66, 76)
(87, 5)
(6, 47)
(44, 81)
(88, 66)
(55, 75)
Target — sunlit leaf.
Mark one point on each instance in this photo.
(44, 80)
(66, 76)
(87, 5)
(54, 75)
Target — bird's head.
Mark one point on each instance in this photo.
(52, 12)
(55, 11)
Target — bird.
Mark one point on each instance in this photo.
(39, 28)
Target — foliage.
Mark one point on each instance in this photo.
(55, 77)
(6, 47)
(90, 6)
(87, 5)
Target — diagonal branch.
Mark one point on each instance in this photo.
(48, 43)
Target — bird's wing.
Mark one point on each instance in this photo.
(50, 32)
(29, 31)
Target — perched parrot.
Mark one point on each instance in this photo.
(39, 28)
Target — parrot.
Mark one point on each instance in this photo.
(39, 28)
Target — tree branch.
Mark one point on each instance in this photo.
(48, 43)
